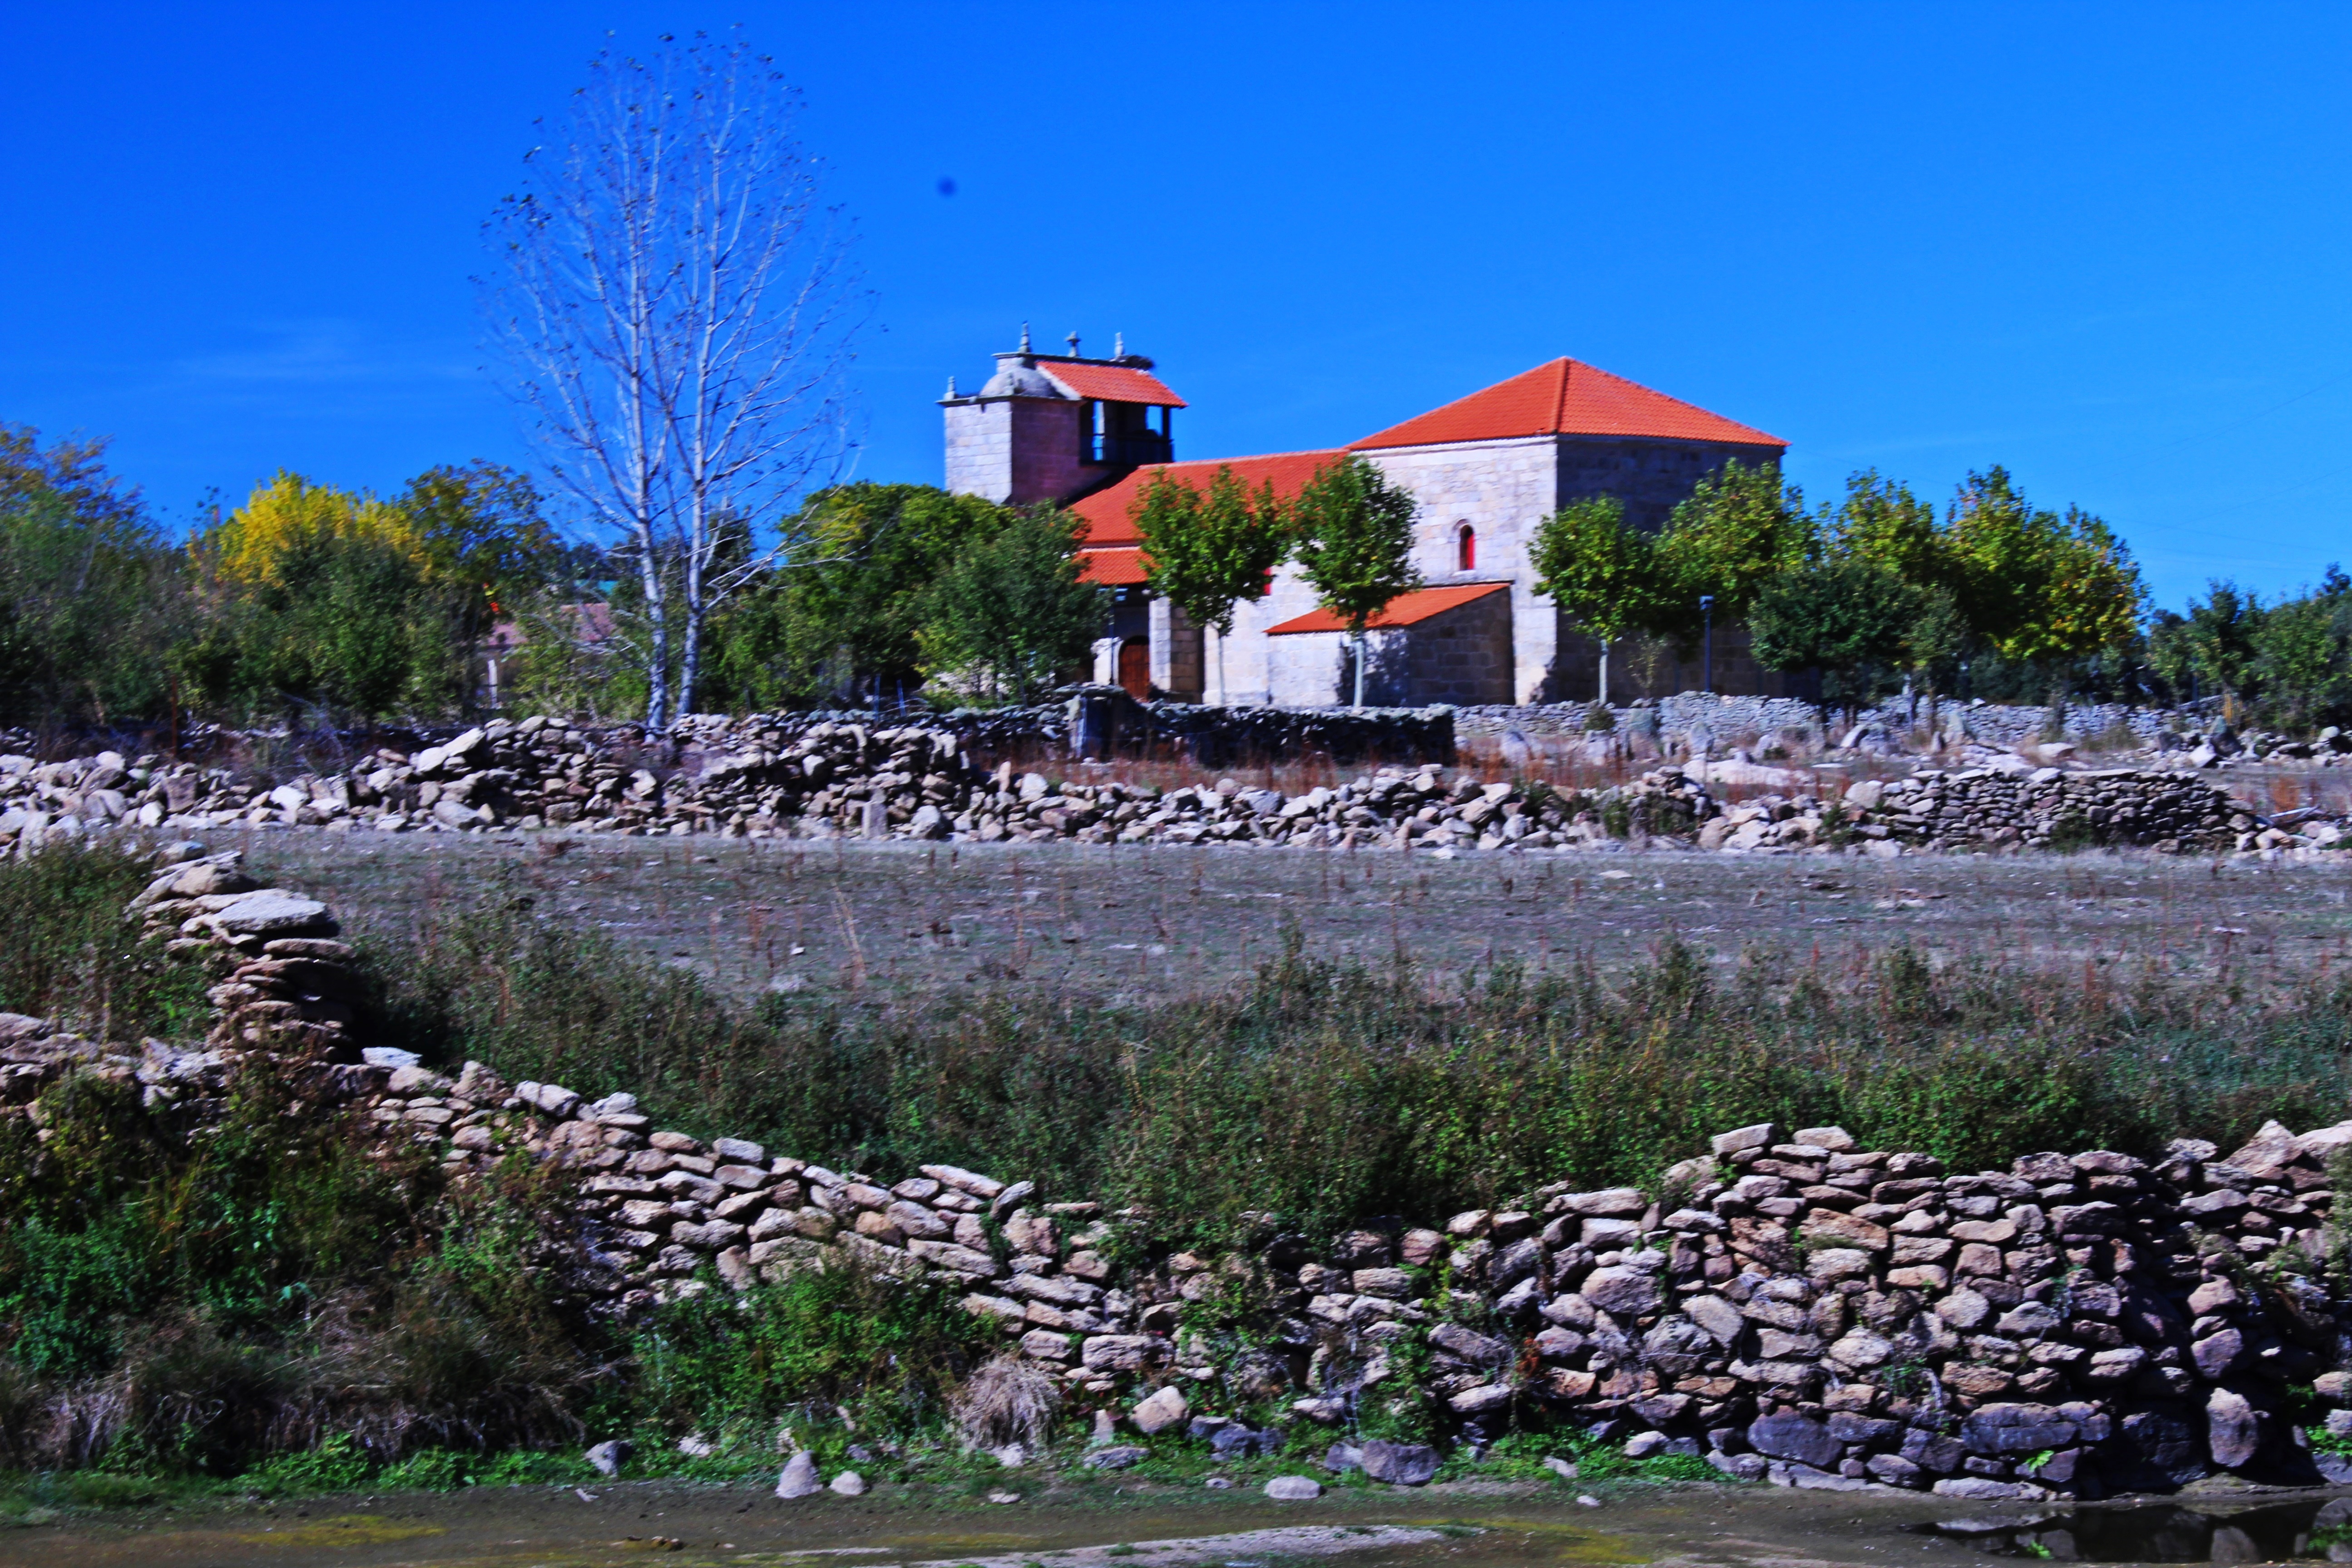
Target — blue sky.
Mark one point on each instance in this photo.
(2102, 245)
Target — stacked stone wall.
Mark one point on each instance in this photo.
(1786, 1304)
(759, 778)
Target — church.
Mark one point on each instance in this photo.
(1486, 470)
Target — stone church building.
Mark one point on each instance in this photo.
(1486, 468)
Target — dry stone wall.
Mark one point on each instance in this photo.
(1785, 1304)
(1789, 1306)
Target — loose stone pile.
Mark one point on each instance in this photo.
(766, 778)
(2031, 807)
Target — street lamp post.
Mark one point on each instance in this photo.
(1706, 667)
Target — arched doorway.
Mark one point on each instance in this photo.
(1135, 668)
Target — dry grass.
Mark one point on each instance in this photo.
(1006, 1401)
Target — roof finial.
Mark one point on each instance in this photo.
(1118, 346)
(951, 391)
(1073, 341)
(1025, 337)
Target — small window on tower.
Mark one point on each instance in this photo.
(1465, 548)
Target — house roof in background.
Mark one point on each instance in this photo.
(1111, 382)
(1566, 397)
(1106, 512)
(1111, 568)
(1404, 610)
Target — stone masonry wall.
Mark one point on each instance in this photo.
(762, 778)
(1788, 1305)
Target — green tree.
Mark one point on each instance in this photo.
(2036, 586)
(91, 596)
(1845, 616)
(2217, 646)
(1883, 524)
(1602, 575)
(1738, 528)
(1009, 616)
(2302, 655)
(1355, 545)
(347, 623)
(1204, 556)
(857, 609)
(480, 526)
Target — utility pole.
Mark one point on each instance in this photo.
(1706, 657)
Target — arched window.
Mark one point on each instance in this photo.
(1465, 548)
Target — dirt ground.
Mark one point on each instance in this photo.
(1465, 1525)
(1150, 921)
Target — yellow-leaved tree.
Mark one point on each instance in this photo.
(290, 515)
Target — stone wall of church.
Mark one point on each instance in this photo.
(1649, 476)
(1501, 489)
(1455, 656)
(1020, 451)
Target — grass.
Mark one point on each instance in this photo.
(71, 956)
(1324, 1089)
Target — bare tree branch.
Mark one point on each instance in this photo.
(675, 305)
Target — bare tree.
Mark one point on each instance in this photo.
(675, 305)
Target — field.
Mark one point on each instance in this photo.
(1150, 923)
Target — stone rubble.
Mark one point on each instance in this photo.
(765, 778)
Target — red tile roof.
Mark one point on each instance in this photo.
(1112, 383)
(1404, 610)
(1112, 568)
(1106, 512)
(1566, 397)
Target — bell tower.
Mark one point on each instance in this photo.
(1054, 427)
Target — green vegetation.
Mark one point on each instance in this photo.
(1355, 545)
(1873, 591)
(70, 956)
(1206, 555)
(1009, 618)
(1324, 1091)
(2289, 663)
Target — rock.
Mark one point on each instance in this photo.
(1981, 1487)
(2233, 1428)
(1761, 1135)
(1341, 1458)
(2016, 1429)
(2216, 1354)
(1162, 1410)
(609, 1455)
(799, 1478)
(1613, 1202)
(273, 911)
(1738, 1467)
(1476, 1401)
(849, 1483)
(1400, 1463)
(1642, 1445)
(1621, 1292)
(1294, 1488)
(1124, 1456)
(1469, 1344)
(1798, 1437)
